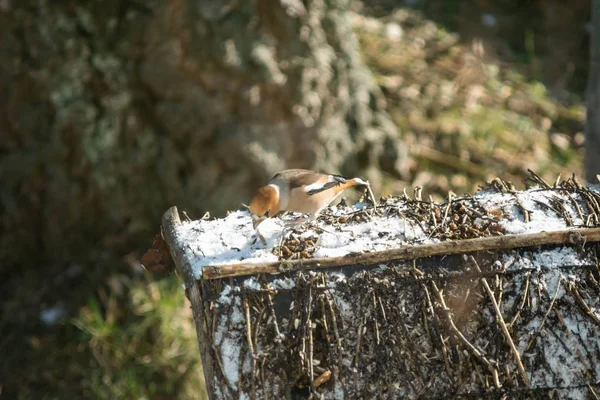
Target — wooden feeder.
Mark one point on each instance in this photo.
(495, 295)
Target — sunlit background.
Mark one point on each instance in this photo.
(112, 111)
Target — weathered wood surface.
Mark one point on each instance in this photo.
(170, 222)
(513, 316)
(408, 252)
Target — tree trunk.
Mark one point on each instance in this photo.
(592, 129)
(111, 111)
(502, 304)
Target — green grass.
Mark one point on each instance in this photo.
(142, 348)
(134, 338)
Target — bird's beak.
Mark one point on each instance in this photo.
(361, 182)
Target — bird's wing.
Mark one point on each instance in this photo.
(310, 182)
(327, 182)
(297, 177)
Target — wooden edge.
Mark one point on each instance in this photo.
(170, 221)
(409, 252)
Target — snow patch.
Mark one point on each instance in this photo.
(232, 240)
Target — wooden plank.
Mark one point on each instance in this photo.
(409, 252)
(170, 221)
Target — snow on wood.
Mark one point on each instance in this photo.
(505, 299)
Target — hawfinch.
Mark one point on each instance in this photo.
(298, 190)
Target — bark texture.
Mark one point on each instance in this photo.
(112, 110)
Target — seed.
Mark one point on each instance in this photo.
(323, 378)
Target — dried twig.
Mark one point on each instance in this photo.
(572, 289)
(274, 317)
(436, 325)
(590, 385)
(372, 196)
(525, 211)
(491, 366)
(503, 326)
(359, 334)
(538, 330)
(250, 346)
(538, 180)
(524, 296)
(334, 323)
(375, 321)
(308, 325)
(408, 252)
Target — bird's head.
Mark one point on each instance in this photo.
(263, 205)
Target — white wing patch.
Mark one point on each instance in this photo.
(332, 181)
(314, 186)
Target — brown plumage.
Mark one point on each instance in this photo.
(298, 190)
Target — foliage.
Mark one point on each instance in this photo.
(466, 118)
(134, 340)
(141, 349)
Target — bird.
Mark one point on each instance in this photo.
(299, 190)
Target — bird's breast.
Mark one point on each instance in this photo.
(302, 202)
(283, 194)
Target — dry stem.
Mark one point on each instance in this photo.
(503, 326)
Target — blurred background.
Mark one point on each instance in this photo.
(111, 111)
